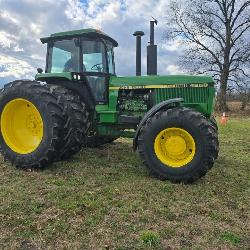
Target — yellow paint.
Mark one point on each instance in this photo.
(21, 126)
(161, 86)
(174, 147)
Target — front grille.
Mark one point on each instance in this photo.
(190, 95)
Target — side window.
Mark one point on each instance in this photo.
(110, 61)
(110, 57)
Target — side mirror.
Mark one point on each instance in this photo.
(40, 71)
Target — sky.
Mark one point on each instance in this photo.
(24, 22)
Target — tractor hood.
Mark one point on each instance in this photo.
(159, 81)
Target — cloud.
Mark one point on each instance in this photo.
(174, 69)
(7, 41)
(13, 67)
(23, 22)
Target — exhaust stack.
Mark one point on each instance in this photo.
(138, 35)
(152, 51)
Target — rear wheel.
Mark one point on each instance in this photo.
(31, 124)
(76, 119)
(178, 144)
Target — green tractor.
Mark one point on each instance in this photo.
(79, 101)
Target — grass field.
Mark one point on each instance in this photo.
(105, 199)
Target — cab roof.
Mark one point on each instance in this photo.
(92, 33)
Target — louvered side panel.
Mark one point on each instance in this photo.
(190, 95)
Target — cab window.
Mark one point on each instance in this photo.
(110, 54)
(64, 56)
(94, 56)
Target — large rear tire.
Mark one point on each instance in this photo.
(178, 144)
(76, 119)
(31, 124)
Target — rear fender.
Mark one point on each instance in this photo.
(80, 88)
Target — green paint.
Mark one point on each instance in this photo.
(154, 80)
(77, 32)
(108, 116)
(199, 98)
(100, 108)
(45, 76)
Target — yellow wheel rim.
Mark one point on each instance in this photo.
(174, 147)
(21, 126)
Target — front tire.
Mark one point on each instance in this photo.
(214, 123)
(178, 144)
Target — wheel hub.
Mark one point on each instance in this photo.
(174, 147)
(21, 126)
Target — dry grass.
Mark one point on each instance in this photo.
(105, 199)
(235, 110)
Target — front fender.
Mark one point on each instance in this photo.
(162, 105)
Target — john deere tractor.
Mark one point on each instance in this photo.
(79, 101)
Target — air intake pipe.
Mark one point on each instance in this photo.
(138, 35)
(152, 51)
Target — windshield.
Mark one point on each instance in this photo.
(96, 56)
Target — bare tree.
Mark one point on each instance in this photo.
(245, 98)
(217, 33)
(242, 88)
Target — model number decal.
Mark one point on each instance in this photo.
(162, 86)
(133, 87)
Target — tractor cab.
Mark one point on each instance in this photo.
(88, 53)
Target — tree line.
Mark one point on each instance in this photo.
(216, 35)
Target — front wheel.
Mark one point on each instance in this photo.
(214, 123)
(178, 144)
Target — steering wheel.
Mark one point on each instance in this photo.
(98, 66)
